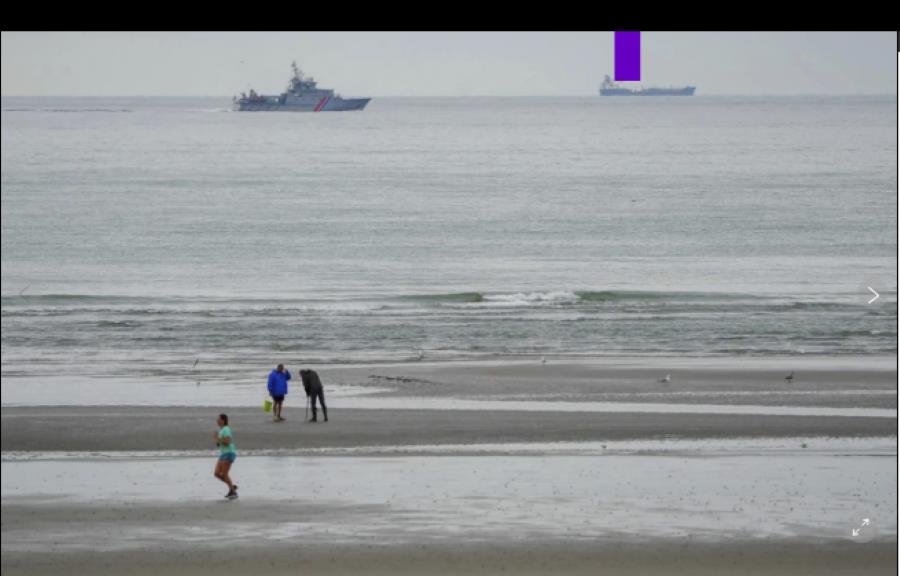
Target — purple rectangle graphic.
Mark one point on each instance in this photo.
(628, 56)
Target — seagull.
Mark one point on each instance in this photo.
(667, 379)
(789, 377)
(195, 363)
(543, 359)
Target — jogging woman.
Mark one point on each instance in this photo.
(227, 454)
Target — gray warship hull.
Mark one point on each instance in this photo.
(302, 95)
(324, 104)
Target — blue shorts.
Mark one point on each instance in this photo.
(227, 457)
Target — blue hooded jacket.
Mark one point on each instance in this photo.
(278, 383)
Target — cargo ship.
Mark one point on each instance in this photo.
(610, 88)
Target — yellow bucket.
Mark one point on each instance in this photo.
(267, 405)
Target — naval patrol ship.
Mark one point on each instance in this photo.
(610, 88)
(302, 95)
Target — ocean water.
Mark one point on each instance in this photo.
(141, 233)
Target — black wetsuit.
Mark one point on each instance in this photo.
(313, 387)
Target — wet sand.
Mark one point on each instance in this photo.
(843, 382)
(797, 558)
(862, 382)
(785, 505)
(812, 488)
(124, 428)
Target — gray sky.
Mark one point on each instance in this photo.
(441, 63)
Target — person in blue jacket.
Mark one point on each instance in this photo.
(278, 389)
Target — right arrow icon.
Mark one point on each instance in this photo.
(877, 295)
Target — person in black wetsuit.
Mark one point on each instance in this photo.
(313, 387)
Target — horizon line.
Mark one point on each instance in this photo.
(729, 94)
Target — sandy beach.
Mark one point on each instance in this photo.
(476, 468)
(476, 403)
(747, 510)
(677, 558)
(124, 428)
